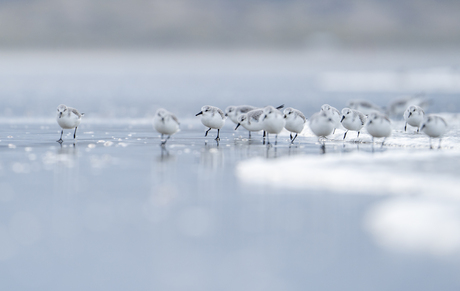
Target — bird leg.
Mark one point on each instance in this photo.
(206, 134)
(60, 139)
(164, 142)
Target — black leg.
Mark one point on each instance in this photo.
(164, 142)
(162, 136)
(333, 131)
(431, 147)
(75, 132)
(249, 134)
(218, 132)
(206, 134)
(290, 136)
(345, 134)
(60, 139)
(276, 139)
(405, 127)
(383, 141)
(358, 133)
(292, 141)
(439, 146)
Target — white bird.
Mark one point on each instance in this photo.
(363, 106)
(233, 112)
(352, 120)
(378, 125)
(434, 126)
(252, 121)
(212, 117)
(321, 124)
(333, 113)
(273, 121)
(295, 121)
(413, 116)
(165, 123)
(68, 118)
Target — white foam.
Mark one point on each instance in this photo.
(421, 226)
(395, 172)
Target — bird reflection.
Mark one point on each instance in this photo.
(212, 157)
(165, 155)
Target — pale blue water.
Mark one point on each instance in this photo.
(116, 211)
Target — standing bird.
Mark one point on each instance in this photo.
(378, 125)
(434, 126)
(352, 120)
(321, 124)
(273, 122)
(252, 121)
(68, 118)
(295, 121)
(413, 116)
(212, 117)
(165, 123)
(233, 112)
(333, 113)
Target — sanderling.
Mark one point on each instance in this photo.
(233, 112)
(363, 106)
(413, 116)
(397, 107)
(295, 121)
(68, 118)
(434, 126)
(165, 123)
(378, 125)
(251, 120)
(333, 113)
(321, 124)
(273, 121)
(352, 120)
(212, 117)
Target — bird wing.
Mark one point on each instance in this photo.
(175, 118)
(222, 114)
(300, 114)
(362, 118)
(256, 114)
(75, 111)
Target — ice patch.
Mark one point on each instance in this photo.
(395, 172)
(416, 226)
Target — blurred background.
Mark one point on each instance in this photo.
(127, 58)
(227, 23)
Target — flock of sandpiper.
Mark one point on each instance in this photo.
(357, 115)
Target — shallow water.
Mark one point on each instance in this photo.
(117, 211)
